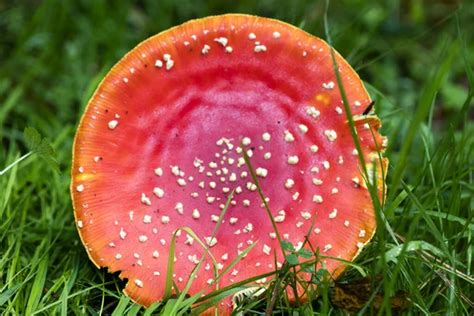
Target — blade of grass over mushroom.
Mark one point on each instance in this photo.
(219, 223)
(262, 196)
(219, 292)
(291, 259)
(267, 209)
(380, 204)
(187, 303)
(191, 277)
(236, 260)
(302, 265)
(190, 301)
(169, 272)
(372, 186)
(240, 283)
(309, 263)
(217, 296)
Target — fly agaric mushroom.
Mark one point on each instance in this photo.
(159, 147)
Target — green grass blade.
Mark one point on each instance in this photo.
(37, 287)
(121, 306)
(426, 102)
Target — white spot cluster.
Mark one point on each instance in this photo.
(159, 192)
(222, 40)
(293, 160)
(158, 63)
(311, 111)
(210, 241)
(112, 124)
(330, 134)
(138, 283)
(159, 172)
(205, 50)
(266, 249)
(328, 85)
(280, 218)
(260, 48)
(289, 138)
(145, 199)
(303, 128)
(169, 62)
(289, 183)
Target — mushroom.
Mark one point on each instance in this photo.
(160, 146)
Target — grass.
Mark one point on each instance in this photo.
(416, 60)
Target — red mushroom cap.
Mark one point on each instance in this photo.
(158, 148)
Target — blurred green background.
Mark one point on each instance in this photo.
(53, 53)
